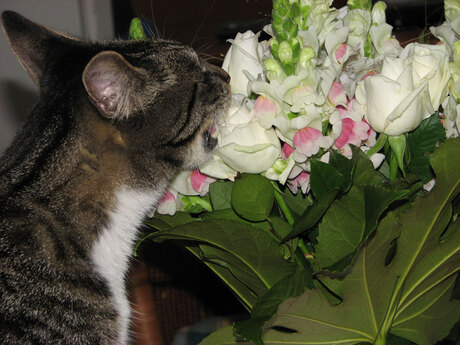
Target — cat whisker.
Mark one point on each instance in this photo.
(152, 15)
(203, 21)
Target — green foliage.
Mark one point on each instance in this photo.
(421, 144)
(221, 194)
(252, 197)
(403, 298)
(290, 286)
(248, 259)
(350, 220)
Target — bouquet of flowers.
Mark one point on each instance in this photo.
(330, 207)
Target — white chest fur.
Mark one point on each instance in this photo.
(113, 248)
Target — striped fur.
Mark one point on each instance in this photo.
(114, 123)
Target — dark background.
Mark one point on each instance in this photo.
(207, 24)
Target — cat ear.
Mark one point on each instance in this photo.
(112, 83)
(30, 42)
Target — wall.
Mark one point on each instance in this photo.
(89, 19)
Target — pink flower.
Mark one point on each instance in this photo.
(337, 95)
(287, 151)
(200, 182)
(167, 204)
(352, 133)
(342, 53)
(301, 181)
(307, 142)
(265, 111)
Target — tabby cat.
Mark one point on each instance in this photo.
(114, 123)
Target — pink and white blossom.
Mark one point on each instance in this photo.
(352, 133)
(265, 111)
(301, 181)
(307, 143)
(200, 182)
(167, 204)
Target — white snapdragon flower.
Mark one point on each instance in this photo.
(358, 22)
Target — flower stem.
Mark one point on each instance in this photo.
(378, 145)
(300, 258)
(282, 204)
(393, 166)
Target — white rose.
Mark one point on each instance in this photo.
(392, 103)
(429, 62)
(247, 147)
(243, 61)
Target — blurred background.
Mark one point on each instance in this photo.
(168, 290)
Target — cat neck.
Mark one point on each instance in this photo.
(76, 169)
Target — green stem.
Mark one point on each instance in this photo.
(393, 166)
(299, 256)
(378, 145)
(303, 248)
(282, 204)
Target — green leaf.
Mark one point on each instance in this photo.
(350, 220)
(409, 298)
(220, 193)
(224, 336)
(421, 143)
(243, 293)
(163, 222)
(281, 228)
(230, 214)
(358, 171)
(325, 177)
(297, 202)
(343, 165)
(290, 286)
(237, 268)
(363, 169)
(253, 197)
(251, 250)
(313, 214)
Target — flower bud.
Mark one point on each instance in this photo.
(136, 32)
(306, 54)
(274, 47)
(456, 53)
(285, 52)
(378, 13)
(296, 45)
(273, 70)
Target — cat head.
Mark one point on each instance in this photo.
(159, 97)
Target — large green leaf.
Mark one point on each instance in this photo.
(409, 297)
(223, 336)
(244, 294)
(350, 220)
(330, 180)
(291, 285)
(251, 255)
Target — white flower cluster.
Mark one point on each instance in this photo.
(351, 82)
